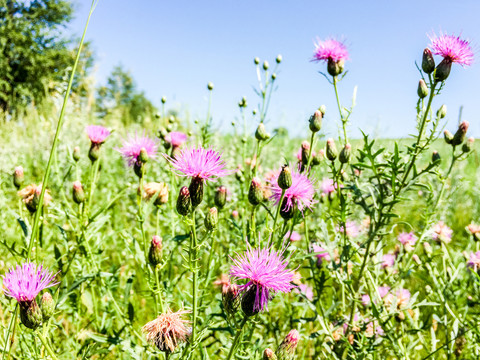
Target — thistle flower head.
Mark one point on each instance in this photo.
(330, 49)
(474, 261)
(300, 194)
(25, 282)
(133, 146)
(388, 260)
(266, 273)
(97, 134)
(31, 195)
(168, 330)
(199, 163)
(176, 138)
(452, 49)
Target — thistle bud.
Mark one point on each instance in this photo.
(196, 191)
(286, 212)
(94, 152)
(164, 99)
(220, 196)
(318, 157)
(468, 145)
(323, 109)
(427, 248)
(422, 89)
(162, 133)
(459, 136)
(268, 354)
(265, 65)
(30, 314)
(230, 299)
(256, 61)
(184, 204)
(285, 178)
(76, 154)
(143, 157)
(443, 70)
(248, 300)
(448, 136)
(210, 86)
(428, 63)
(442, 111)
(18, 177)
(47, 306)
(274, 76)
(316, 121)
(331, 150)
(155, 253)
(335, 68)
(286, 350)
(261, 133)
(305, 152)
(255, 193)
(78, 193)
(138, 168)
(211, 220)
(345, 154)
(436, 158)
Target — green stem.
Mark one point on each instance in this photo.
(344, 123)
(57, 134)
(237, 337)
(10, 326)
(193, 267)
(310, 151)
(93, 179)
(46, 345)
(159, 291)
(278, 211)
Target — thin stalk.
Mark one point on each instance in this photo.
(93, 179)
(344, 123)
(312, 139)
(9, 330)
(159, 290)
(57, 134)
(237, 337)
(46, 345)
(278, 210)
(193, 267)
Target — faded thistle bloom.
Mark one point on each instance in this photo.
(299, 195)
(168, 330)
(333, 52)
(136, 145)
(442, 233)
(408, 240)
(157, 191)
(31, 196)
(266, 273)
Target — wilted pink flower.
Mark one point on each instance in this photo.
(321, 253)
(176, 138)
(330, 49)
(167, 330)
(300, 194)
(292, 236)
(25, 282)
(441, 232)
(408, 240)
(199, 163)
(388, 260)
(97, 134)
(474, 261)
(452, 48)
(132, 147)
(352, 229)
(266, 273)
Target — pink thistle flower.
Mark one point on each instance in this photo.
(366, 300)
(266, 273)
(25, 282)
(176, 138)
(352, 229)
(97, 134)
(452, 49)
(388, 260)
(292, 236)
(327, 186)
(199, 163)
(474, 261)
(300, 194)
(167, 330)
(441, 232)
(383, 291)
(305, 290)
(330, 50)
(408, 240)
(321, 253)
(132, 147)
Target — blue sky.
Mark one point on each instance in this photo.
(174, 48)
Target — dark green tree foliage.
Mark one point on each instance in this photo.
(120, 98)
(33, 55)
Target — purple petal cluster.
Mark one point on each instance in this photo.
(199, 163)
(452, 48)
(300, 193)
(132, 146)
(97, 134)
(25, 282)
(267, 270)
(330, 49)
(176, 138)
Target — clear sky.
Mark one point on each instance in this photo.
(174, 48)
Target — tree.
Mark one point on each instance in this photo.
(120, 98)
(34, 57)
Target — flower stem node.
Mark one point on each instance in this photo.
(47, 306)
(422, 89)
(331, 150)
(155, 253)
(184, 204)
(211, 220)
(345, 154)
(285, 178)
(261, 133)
(428, 63)
(316, 121)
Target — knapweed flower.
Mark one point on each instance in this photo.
(266, 273)
(25, 282)
(452, 49)
(132, 148)
(352, 230)
(176, 138)
(388, 260)
(97, 134)
(299, 195)
(168, 330)
(408, 240)
(330, 50)
(321, 253)
(292, 236)
(31, 196)
(474, 261)
(442, 233)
